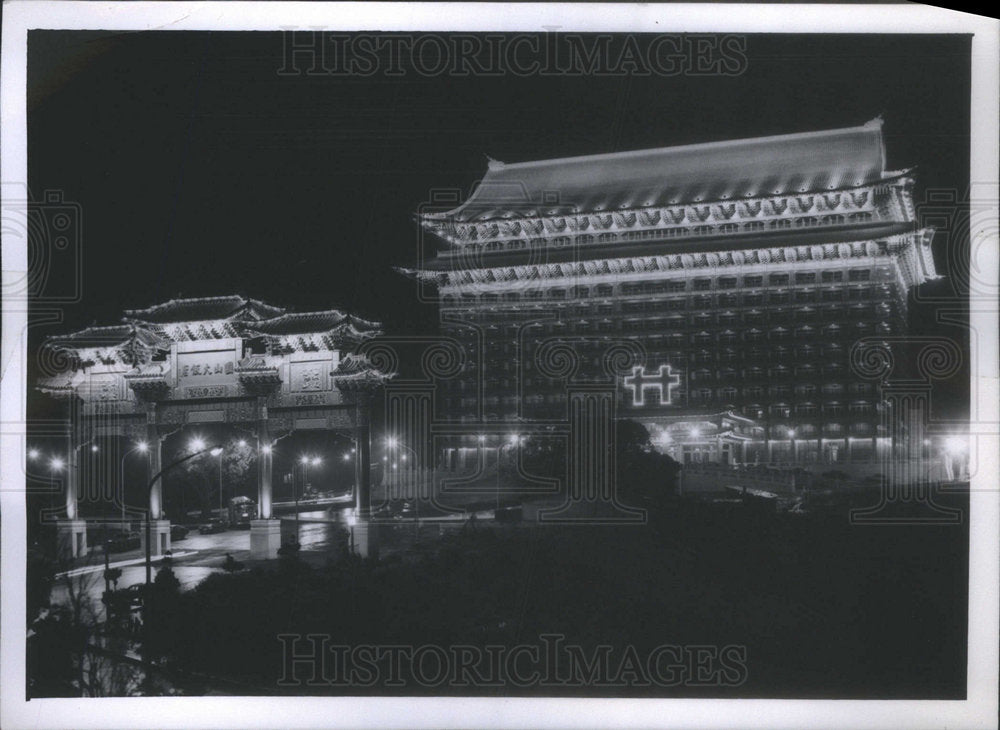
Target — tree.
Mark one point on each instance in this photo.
(200, 476)
(644, 474)
(161, 612)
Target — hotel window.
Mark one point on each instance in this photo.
(755, 373)
(781, 411)
(860, 407)
(860, 274)
(727, 282)
(779, 391)
(833, 295)
(728, 300)
(832, 409)
(703, 230)
(702, 284)
(832, 389)
(557, 294)
(805, 409)
(701, 302)
(753, 281)
(778, 279)
(805, 297)
(754, 226)
(727, 374)
(705, 394)
(832, 276)
(676, 286)
(805, 277)
(781, 223)
(607, 238)
(753, 335)
(726, 338)
(754, 391)
(728, 393)
(833, 428)
(805, 371)
(805, 391)
(729, 228)
(805, 351)
(860, 388)
(779, 333)
(605, 290)
(778, 297)
(727, 318)
(861, 428)
(753, 300)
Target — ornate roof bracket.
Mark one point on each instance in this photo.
(256, 375)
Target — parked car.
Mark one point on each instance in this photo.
(123, 541)
(212, 527)
(178, 532)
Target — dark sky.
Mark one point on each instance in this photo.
(200, 170)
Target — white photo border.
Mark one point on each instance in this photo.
(980, 707)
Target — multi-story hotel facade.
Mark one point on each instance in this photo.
(719, 287)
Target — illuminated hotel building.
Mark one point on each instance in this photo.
(739, 273)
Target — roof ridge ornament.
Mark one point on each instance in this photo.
(492, 164)
(875, 123)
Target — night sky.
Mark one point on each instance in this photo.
(201, 171)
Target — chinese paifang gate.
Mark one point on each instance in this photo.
(217, 360)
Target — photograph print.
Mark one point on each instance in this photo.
(477, 364)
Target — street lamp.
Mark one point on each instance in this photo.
(149, 501)
(34, 454)
(217, 451)
(513, 440)
(142, 447)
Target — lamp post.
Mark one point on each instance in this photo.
(514, 440)
(221, 510)
(394, 443)
(149, 499)
(141, 447)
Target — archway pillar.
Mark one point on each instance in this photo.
(265, 531)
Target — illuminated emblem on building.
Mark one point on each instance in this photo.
(662, 382)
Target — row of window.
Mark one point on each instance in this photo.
(751, 281)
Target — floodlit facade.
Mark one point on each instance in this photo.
(719, 288)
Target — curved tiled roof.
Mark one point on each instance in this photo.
(205, 308)
(732, 169)
(311, 322)
(103, 337)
